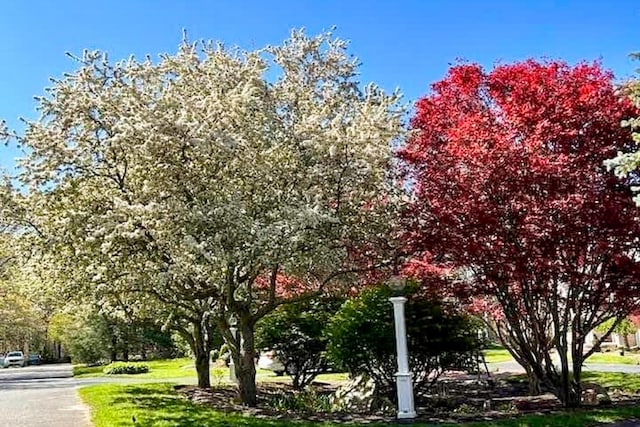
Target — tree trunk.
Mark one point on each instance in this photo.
(125, 343)
(565, 380)
(201, 352)
(575, 394)
(114, 347)
(245, 364)
(535, 385)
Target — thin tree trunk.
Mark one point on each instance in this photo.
(125, 346)
(114, 347)
(576, 385)
(565, 381)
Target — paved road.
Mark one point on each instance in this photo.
(41, 396)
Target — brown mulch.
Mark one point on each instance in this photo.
(225, 399)
(507, 400)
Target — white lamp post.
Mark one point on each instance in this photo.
(232, 366)
(406, 408)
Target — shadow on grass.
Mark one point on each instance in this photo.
(576, 418)
(160, 405)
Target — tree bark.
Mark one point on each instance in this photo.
(245, 364)
(114, 347)
(534, 383)
(200, 350)
(125, 345)
(576, 385)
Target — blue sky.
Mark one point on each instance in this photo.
(407, 44)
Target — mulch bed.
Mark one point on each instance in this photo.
(224, 399)
(461, 400)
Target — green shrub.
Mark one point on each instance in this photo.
(439, 338)
(296, 332)
(119, 368)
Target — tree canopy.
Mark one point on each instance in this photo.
(216, 183)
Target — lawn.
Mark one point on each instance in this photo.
(175, 369)
(158, 369)
(615, 380)
(615, 358)
(497, 355)
(577, 418)
(158, 405)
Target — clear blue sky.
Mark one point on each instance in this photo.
(407, 44)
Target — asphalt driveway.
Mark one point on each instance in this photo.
(41, 396)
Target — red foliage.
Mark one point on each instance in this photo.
(286, 286)
(508, 169)
(511, 193)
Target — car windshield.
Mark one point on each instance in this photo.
(15, 354)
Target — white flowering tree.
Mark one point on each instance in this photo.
(627, 164)
(216, 183)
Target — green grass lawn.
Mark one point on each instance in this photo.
(158, 369)
(183, 368)
(614, 358)
(158, 405)
(577, 418)
(615, 380)
(497, 355)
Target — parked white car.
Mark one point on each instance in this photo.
(15, 358)
(270, 362)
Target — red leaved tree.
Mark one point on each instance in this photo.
(511, 193)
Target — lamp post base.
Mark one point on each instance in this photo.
(405, 396)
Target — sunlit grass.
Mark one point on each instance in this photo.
(500, 355)
(158, 369)
(497, 355)
(614, 358)
(615, 380)
(184, 369)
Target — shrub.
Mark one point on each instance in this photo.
(439, 338)
(119, 368)
(296, 332)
